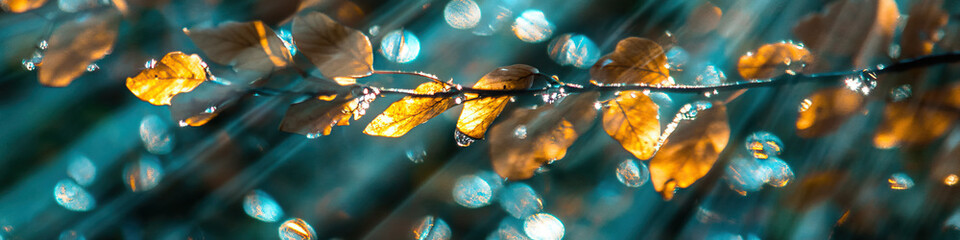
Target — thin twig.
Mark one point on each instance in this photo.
(418, 74)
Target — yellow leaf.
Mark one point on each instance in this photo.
(690, 151)
(338, 51)
(858, 30)
(316, 116)
(632, 119)
(199, 106)
(19, 6)
(530, 138)
(825, 110)
(410, 111)
(478, 114)
(635, 60)
(927, 18)
(772, 60)
(248, 45)
(176, 73)
(75, 45)
(918, 122)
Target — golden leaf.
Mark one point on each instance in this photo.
(926, 19)
(858, 30)
(478, 114)
(176, 73)
(75, 45)
(635, 60)
(690, 151)
(410, 111)
(199, 106)
(530, 138)
(825, 110)
(632, 119)
(772, 60)
(918, 122)
(248, 45)
(317, 116)
(338, 51)
(19, 6)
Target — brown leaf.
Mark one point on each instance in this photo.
(199, 106)
(75, 45)
(635, 60)
(632, 119)
(815, 188)
(19, 6)
(478, 114)
(247, 45)
(926, 19)
(530, 138)
(176, 73)
(772, 60)
(404, 115)
(338, 51)
(317, 116)
(918, 122)
(825, 110)
(690, 151)
(703, 19)
(857, 30)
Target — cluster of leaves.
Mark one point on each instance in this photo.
(682, 153)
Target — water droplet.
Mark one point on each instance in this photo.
(509, 229)
(677, 57)
(462, 14)
(82, 170)
(92, 67)
(28, 65)
(951, 180)
(458, 100)
(400, 46)
(900, 181)
(476, 190)
(261, 206)
(520, 132)
(417, 154)
(746, 175)
(901, 93)
(72, 196)
(312, 135)
(77, 5)
(710, 75)
(532, 26)
(543, 226)
(764, 144)
(780, 172)
(374, 30)
(143, 174)
(71, 235)
(155, 135)
(805, 105)
(519, 200)
(297, 229)
(573, 50)
(431, 228)
(462, 139)
(42, 45)
(632, 174)
(150, 64)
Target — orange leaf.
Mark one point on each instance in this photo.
(690, 151)
(176, 73)
(827, 109)
(530, 138)
(632, 119)
(199, 106)
(772, 60)
(918, 122)
(75, 45)
(338, 51)
(479, 113)
(19, 6)
(635, 60)
(859, 30)
(248, 45)
(926, 19)
(317, 116)
(410, 111)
